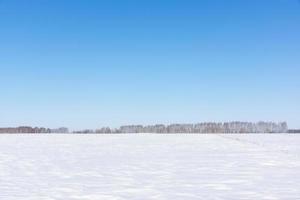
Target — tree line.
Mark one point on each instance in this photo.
(29, 129)
(207, 127)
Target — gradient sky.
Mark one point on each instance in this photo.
(87, 64)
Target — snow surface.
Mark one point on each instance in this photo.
(149, 166)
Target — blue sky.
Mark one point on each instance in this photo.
(87, 64)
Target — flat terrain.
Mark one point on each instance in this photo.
(149, 166)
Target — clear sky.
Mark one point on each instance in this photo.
(87, 64)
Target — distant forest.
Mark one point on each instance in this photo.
(207, 127)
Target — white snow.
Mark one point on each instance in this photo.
(149, 166)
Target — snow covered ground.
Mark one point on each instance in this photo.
(149, 166)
